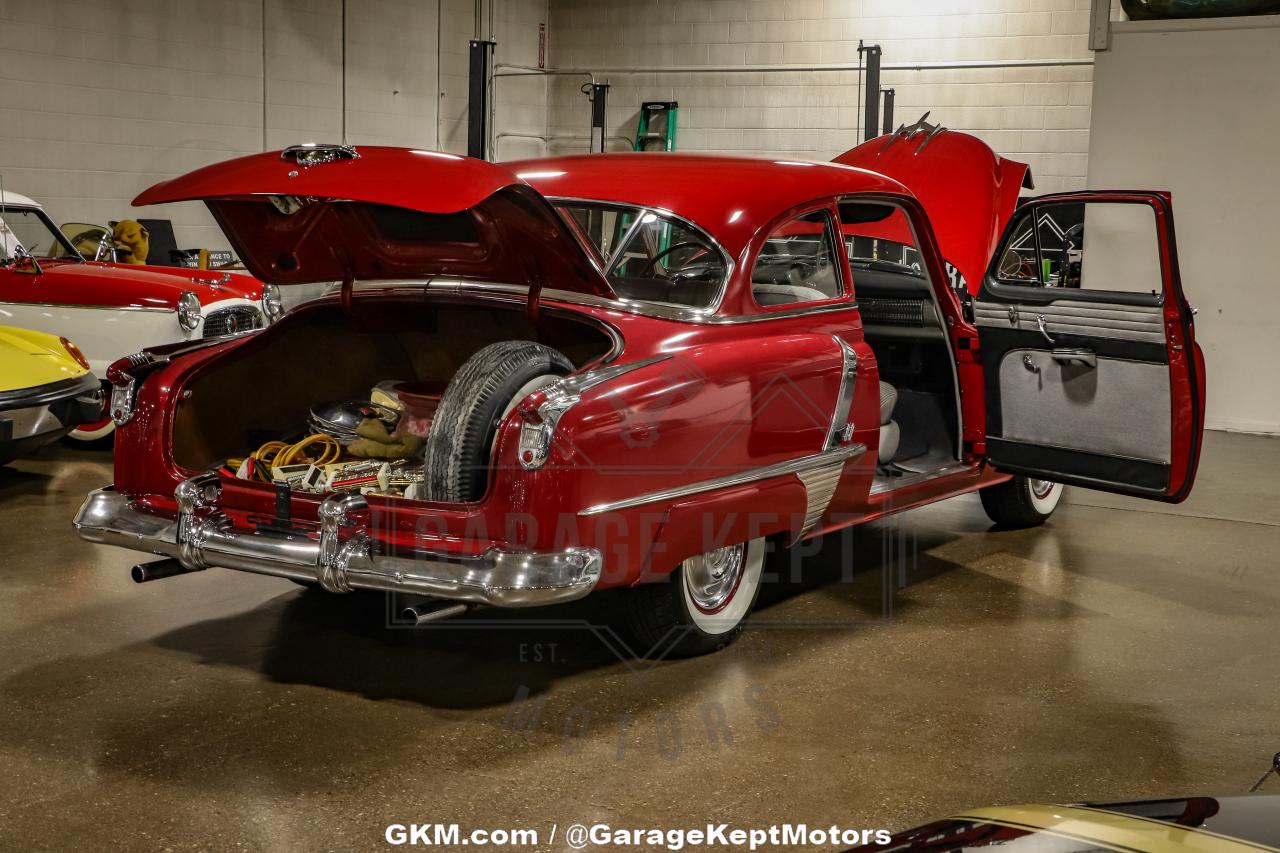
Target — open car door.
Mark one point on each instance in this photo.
(1093, 377)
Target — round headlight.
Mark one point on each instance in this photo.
(272, 305)
(189, 311)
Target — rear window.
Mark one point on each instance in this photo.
(651, 256)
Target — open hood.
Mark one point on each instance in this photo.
(315, 213)
(967, 189)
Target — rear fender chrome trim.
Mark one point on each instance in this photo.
(820, 487)
(841, 424)
(805, 464)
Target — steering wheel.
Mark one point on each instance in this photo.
(1013, 265)
(648, 266)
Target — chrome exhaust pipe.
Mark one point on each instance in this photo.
(431, 610)
(158, 570)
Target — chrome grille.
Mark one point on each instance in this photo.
(231, 321)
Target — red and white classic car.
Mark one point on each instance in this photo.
(650, 365)
(111, 310)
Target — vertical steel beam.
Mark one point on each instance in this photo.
(888, 110)
(871, 82)
(1100, 25)
(599, 120)
(478, 99)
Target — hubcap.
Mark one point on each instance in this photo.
(712, 578)
(1041, 488)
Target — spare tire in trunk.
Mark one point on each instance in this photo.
(481, 393)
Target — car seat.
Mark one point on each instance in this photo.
(889, 433)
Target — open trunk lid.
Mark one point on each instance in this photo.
(316, 213)
(967, 189)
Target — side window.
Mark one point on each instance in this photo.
(798, 263)
(1103, 245)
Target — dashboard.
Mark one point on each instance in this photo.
(895, 301)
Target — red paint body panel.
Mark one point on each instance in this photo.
(500, 230)
(732, 198)
(121, 285)
(429, 181)
(968, 191)
(703, 524)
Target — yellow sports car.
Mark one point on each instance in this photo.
(1235, 824)
(46, 390)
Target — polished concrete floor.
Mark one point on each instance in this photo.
(1126, 649)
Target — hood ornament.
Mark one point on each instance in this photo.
(920, 128)
(216, 283)
(310, 154)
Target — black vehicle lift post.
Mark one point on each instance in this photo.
(481, 53)
(598, 93)
(888, 110)
(871, 86)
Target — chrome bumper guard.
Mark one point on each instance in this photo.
(203, 537)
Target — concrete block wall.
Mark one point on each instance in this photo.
(1040, 115)
(100, 98)
(519, 103)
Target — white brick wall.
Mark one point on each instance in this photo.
(1040, 115)
(92, 113)
(101, 98)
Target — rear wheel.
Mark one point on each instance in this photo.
(1021, 502)
(481, 393)
(700, 607)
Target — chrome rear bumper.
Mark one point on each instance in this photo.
(342, 558)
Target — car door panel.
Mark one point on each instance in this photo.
(1100, 388)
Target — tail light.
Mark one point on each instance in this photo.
(125, 375)
(541, 411)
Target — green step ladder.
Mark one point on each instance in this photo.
(653, 115)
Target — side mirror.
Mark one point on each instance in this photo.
(23, 262)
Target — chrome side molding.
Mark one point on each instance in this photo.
(805, 464)
(841, 425)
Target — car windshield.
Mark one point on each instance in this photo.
(651, 256)
(25, 230)
(878, 236)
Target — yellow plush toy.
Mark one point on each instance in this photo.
(131, 236)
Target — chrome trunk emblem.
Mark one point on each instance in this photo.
(310, 154)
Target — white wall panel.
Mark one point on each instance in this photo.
(1040, 115)
(1194, 109)
(100, 99)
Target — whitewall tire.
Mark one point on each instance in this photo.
(1021, 501)
(700, 607)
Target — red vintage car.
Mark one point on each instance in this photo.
(111, 309)
(649, 366)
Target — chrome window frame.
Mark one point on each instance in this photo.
(838, 252)
(935, 301)
(58, 236)
(640, 309)
(641, 306)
